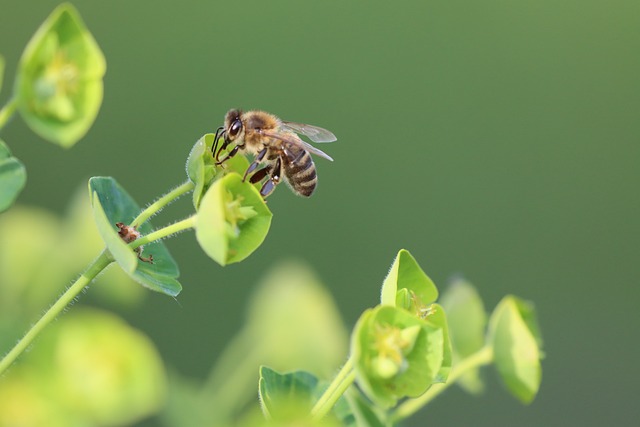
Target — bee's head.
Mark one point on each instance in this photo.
(233, 126)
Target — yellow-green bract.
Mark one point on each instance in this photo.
(396, 354)
(233, 220)
(59, 84)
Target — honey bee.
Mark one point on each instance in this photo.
(276, 145)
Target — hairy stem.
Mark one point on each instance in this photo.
(163, 201)
(411, 406)
(338, 386)
(63, 301)
(7, 111)
(161, 233)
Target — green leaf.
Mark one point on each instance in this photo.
(515, 337)
(13, 177)
(396, 354)
(112, 204)
(59, 81)
(202, 170)
(286, 396)
(233, 220)
(467, 321)
(407, 285)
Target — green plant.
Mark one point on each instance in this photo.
(403, 352)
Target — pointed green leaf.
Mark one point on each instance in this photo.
(286, 396)
(112, 204)
(59, 81)
(13, 177)
(233, 220)
(396, 354)
(407, 285)
(515, 346)
(467, 321)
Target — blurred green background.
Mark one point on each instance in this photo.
(498, 140)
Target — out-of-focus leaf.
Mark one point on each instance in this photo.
(28, 236)
(467, 321)
(515, 337)
(59, 81)
(89, 369)
(292, 322)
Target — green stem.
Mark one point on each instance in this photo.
(338, 386)
(63, 301)
(411, 406)
(163, 201)
(161, 233)
(7, 111)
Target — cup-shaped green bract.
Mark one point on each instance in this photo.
(233, 220)
(59, 81)
(407, 286)
(202, 169)
(515, 337)
(89, 369)
(467, 321)
(13, 176)
(396, 354)
(112, 204)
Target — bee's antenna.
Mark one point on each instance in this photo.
(215, 140)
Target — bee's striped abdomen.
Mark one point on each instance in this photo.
(300, 173)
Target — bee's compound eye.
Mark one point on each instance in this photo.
(235, 128)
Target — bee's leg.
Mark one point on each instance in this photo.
(267, 188)
(232, 153)
(214, 146)
(255, 164)
(260, 174)
(273, 180)
(222, 147)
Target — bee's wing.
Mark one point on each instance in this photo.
(292, 138)
(314, 133)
